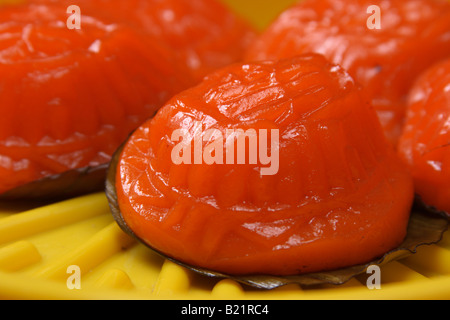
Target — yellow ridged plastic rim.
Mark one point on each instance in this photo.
(40, 243)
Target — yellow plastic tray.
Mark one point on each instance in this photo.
(39, 244)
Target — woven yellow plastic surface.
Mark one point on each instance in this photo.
(75, 250)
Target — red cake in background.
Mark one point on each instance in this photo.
(425, 142)
(413, 35)
(70, 97)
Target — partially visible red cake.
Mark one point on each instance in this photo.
(413, 35)
(204, 34)
(425, 142)
(335, 195)
(70, 97)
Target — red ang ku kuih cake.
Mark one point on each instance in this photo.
(341, 195)
(177, 91)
